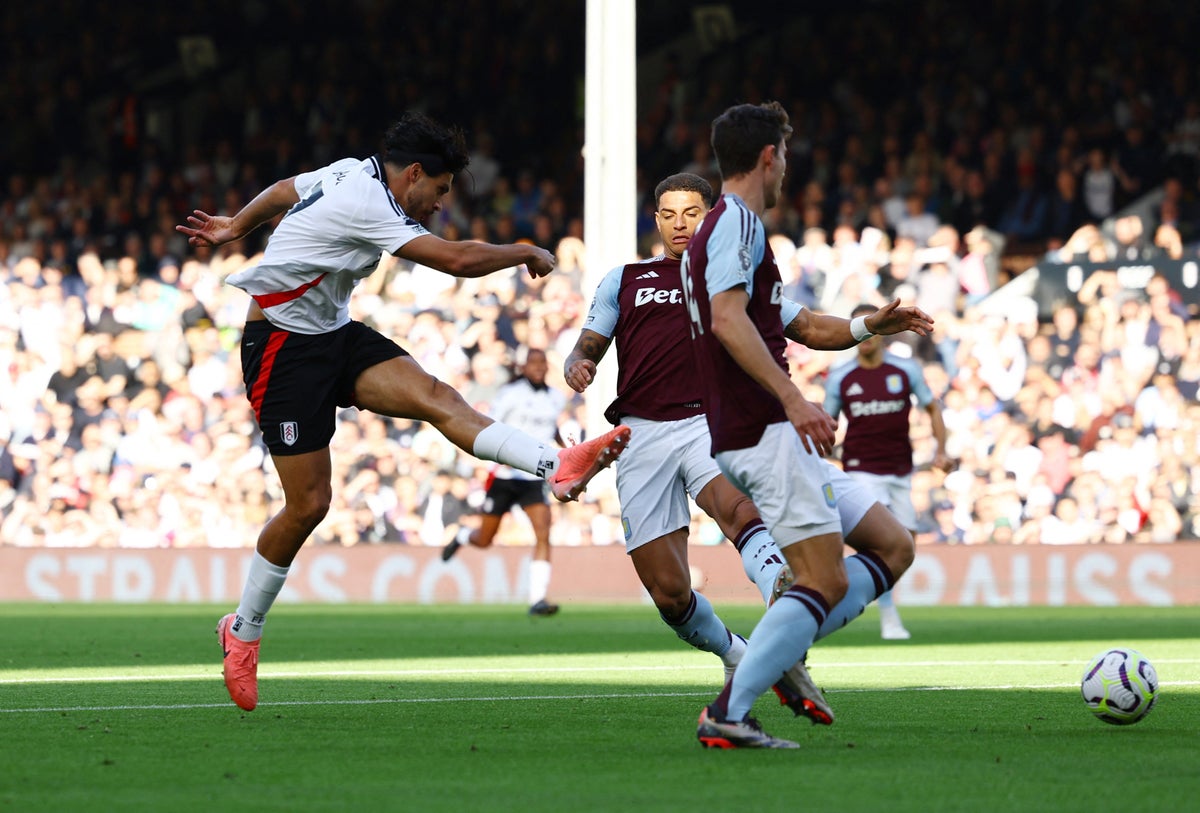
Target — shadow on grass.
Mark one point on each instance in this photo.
(64, 636)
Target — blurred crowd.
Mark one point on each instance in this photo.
(934, 145)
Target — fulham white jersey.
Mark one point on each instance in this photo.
(533, 410)
(326, 244)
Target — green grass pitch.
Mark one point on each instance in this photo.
(481, 708)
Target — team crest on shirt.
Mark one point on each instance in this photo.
(625, 527)
(289, 432)
(830, 499)
(895, 385)
(744, 259)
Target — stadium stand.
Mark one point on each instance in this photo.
(940, 151)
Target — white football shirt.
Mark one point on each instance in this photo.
(326, 244)
(533, 410)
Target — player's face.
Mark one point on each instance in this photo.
(424, 197)
(536, 367)
(774, 180)
(678, 215)
(870, 346)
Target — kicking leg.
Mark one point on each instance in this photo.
(401, 389)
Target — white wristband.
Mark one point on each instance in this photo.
(858, 328)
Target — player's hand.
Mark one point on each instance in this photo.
(541, 264)
(892, 318)
(580, 374)
(816, 429)
(944, 463)
(208, 230)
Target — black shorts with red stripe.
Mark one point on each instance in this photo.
(295, 382)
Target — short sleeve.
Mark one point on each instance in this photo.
(788, 310)
(916, 381)
(606, 307)
(735, 248)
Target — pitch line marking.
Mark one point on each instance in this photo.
(520, 670)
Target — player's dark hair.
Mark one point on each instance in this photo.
(740, 133)
(415, 138)
(684, 182)
(862, 309)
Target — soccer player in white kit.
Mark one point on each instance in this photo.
(639, 306)
(767, 438)
(303, 356)
(534, 407)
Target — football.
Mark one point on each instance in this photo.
(1120, 686)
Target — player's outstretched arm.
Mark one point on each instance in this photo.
(469, 258)
(204, 229)
(579, 369)
(825, 332)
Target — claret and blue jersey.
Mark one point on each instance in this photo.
(876, 402)
(730, 250)
(656, 376)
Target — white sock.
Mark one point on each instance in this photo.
(539, 580)
(263, 584)
(512, 447)
(463, 537)
(888, 614)
(737, 648)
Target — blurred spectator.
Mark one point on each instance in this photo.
(1024, 219)
(121, 407)
(1099, 185)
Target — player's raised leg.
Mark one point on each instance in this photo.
(400, 388)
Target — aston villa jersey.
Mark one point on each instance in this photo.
(729, 250)
(876, 402)
(640, 306)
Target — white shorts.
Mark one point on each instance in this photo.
(893, 491)
(799, 494)
(664, 462)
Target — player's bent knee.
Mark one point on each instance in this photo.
(899, 551)
(445, 399)
(904, 555)
(834, 588)
(311, 507)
